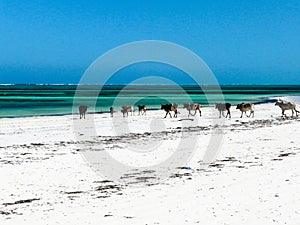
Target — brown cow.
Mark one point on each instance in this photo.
(126, 108)
(82, 111)
(244, 107)
(287, 106)
(191, 107)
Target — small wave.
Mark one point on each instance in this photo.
(295, 98)
(292, 98)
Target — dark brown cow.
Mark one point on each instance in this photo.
(170, 107)
(82, 111)
(125, 112)
(222, 107)
(143, 109)
(111, 110)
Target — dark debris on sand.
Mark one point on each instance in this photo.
(21, 201)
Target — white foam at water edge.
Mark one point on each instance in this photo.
(287, 98)
(292, 98)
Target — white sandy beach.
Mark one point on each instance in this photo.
(255, 179)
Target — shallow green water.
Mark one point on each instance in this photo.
(31, 100)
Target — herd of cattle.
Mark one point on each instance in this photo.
(194, 107)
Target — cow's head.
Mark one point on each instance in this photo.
(278, 102)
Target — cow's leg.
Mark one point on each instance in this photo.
(223, 114)
(166, 115)
(283, 112)
(170, 114)
(247, 115)
(252, 114)
(242, 114)
(200, 112)
(292, 112)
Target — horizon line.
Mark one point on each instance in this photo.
(76, 84)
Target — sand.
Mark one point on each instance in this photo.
(255, 178)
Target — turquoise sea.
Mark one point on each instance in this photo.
(33, 100)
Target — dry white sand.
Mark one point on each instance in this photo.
(255, 179)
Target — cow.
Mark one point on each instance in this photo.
(142, 108)
(125, 112)
(126, 108)
(287, 106)
(82, 111)
(111, 110)
(222, 107)
(192, 106)
(170, 107)
(244, 107)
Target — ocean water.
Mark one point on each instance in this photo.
(34, 100)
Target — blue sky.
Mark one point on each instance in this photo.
(243, 42)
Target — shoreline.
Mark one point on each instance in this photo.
(293, 98)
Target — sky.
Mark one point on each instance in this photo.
(243, 42)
